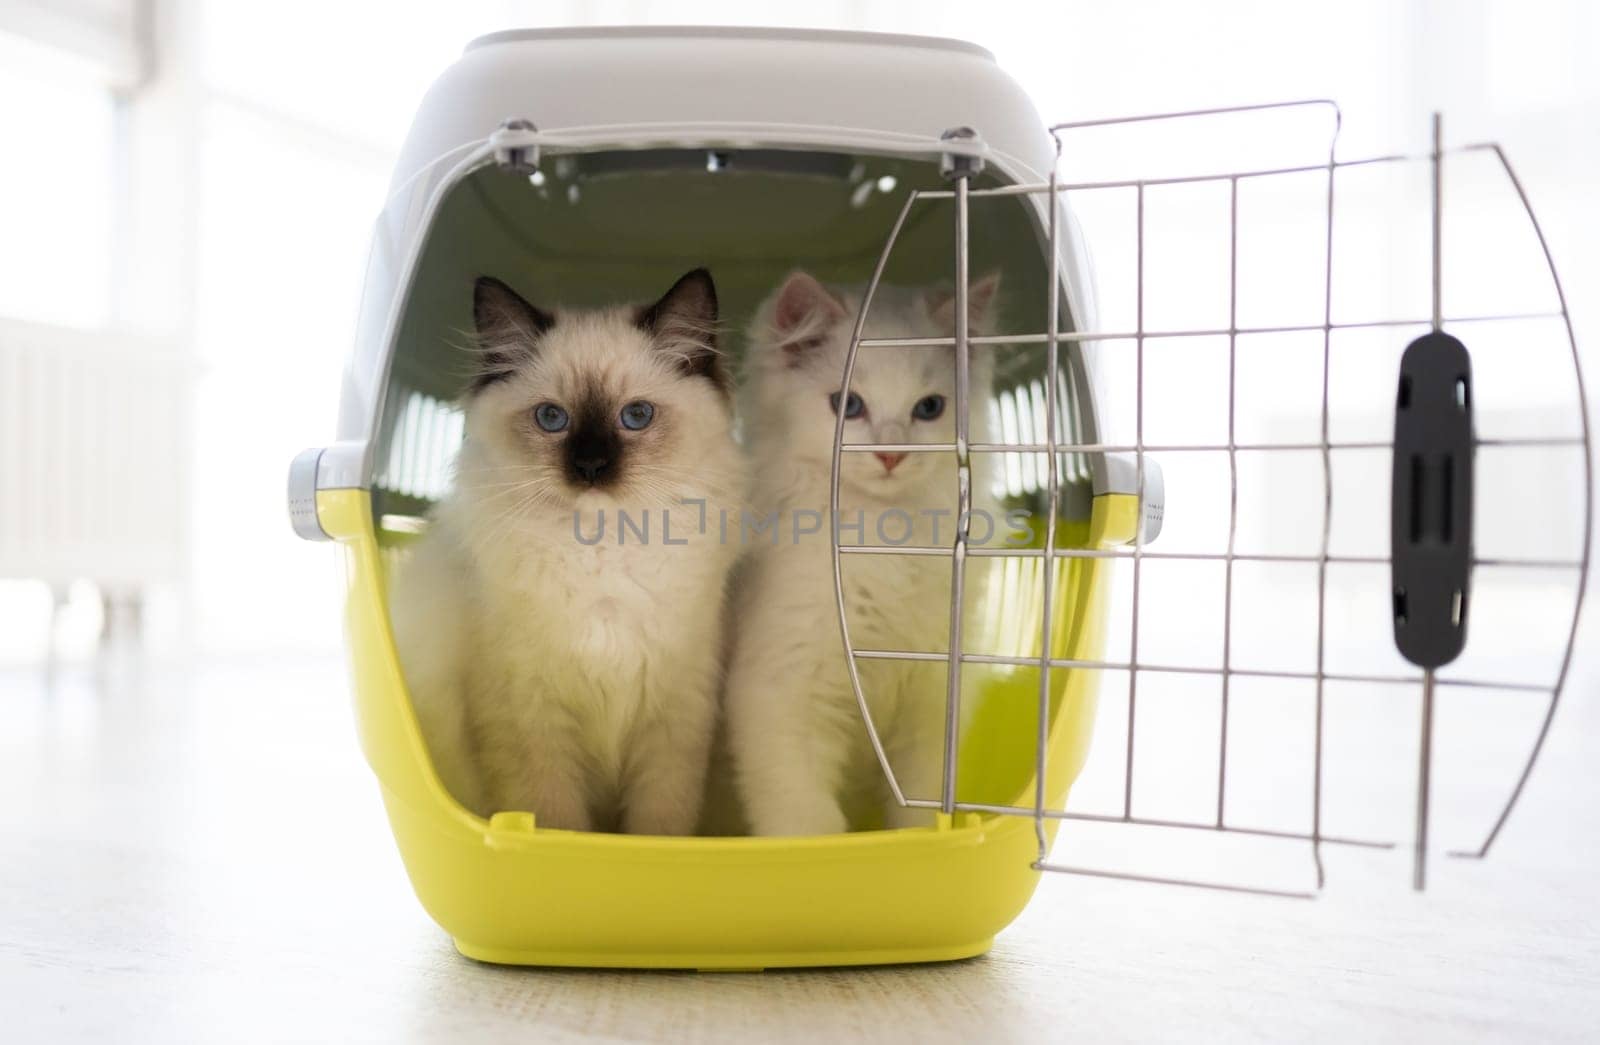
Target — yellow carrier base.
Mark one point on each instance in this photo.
(509, 892)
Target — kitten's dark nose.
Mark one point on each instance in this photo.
(591, 469)
(593, 450)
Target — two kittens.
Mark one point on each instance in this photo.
(581, 678)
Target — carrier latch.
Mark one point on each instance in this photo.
(516, 145)
(1124, 473)
(303, 495)
(1431, 506)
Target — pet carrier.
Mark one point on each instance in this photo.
(596, 165)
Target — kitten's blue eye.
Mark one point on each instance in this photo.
(928, 408)
(853, 407)
(637, 415)
(550, 417)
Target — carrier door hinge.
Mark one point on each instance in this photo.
(968, 161)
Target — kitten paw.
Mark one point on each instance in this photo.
(825, 818)
(676, 822)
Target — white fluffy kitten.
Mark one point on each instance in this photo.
(578, 678)
(802, 760)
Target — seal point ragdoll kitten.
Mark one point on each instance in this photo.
(801, 756)
(558, 662)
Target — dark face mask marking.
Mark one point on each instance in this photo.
(593, 449)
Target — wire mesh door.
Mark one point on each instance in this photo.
(1426, 523)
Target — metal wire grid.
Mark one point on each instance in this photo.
(1052, 338)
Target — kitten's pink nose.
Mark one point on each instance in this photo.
(890, 460)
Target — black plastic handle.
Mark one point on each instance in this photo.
(1431, 508)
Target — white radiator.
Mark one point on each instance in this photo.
(94, 451)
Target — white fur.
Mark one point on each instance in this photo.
(576, 682)
(802, 759)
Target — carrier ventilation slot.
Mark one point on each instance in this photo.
(427, 432)
(1019, 415)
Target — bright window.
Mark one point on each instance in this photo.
(56, 187)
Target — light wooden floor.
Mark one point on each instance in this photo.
(201, 855)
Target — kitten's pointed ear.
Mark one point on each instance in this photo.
(980, 303)
(507, 326)
(684, 324)
(497, 310)
(803, 310)
(802, 298)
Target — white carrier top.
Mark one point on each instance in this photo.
(691, 86)
(611, 89)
